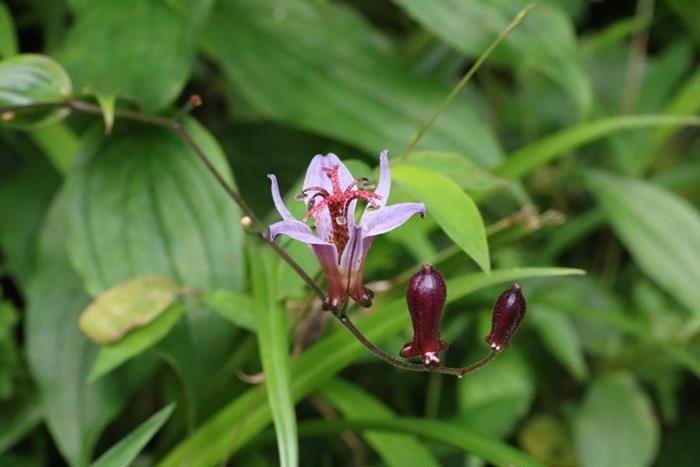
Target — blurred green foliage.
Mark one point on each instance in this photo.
(575, 146)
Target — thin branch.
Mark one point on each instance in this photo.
(466, 78)
(174, 124)
(393, 361)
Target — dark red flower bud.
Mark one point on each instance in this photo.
(425, 296)
(508, 313)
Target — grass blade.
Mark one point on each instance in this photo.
(544, 150)
(660, 230)
(125, 451)
(246, 416)
(272, 340)
(495, 452)
(354, 403)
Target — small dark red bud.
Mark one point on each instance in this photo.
(425, 296)
(508, 313)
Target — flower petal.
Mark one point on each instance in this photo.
(296, 230)
(315, 176)
(277, 198)
(353, 257)
(327, 256)
(384, 184)
(390, 217)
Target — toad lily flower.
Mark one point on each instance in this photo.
(340, 244)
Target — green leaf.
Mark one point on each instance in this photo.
(143, 204)
(248, 414)
(8, 41)
(58, 143)
(107, 105)
(660, 230)
(559, 335)
(332, 73)
(127, 306)
(270, 323)
(686, 101)
(235, 307)
(59, 355)
(198, 349)
(615, 426)
(19, 417)
(600, 333)
(634, 152)
(30, 79)
(495, 452)
(689, 14)
(113, 355)
(125, 451)
(453, 209)
(609, 36)
(140, 50)
(600, 323)
(470, 25)
(25, 195)
(395, 450)
(494, 399)
(534, 155)
(9, 319)
(462, 171)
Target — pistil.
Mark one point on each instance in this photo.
(338, 204)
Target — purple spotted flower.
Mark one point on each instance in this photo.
(340, 244)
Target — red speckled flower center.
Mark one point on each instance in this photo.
(337, 204)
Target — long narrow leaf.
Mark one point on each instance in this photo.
(272, 341)
(660, 230)
(125, 451)
(490, 450)
(542, 151)
(246, 416)
(354, 403)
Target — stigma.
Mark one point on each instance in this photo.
(337, 202)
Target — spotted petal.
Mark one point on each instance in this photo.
(390, 217)
(315, 176)
(351, 259)
(277, 198)
(296, 230)
(384, 184)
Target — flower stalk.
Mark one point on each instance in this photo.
(372, 223)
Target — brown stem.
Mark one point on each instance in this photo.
(174, 124)
(393, 361)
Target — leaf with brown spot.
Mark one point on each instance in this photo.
(127, 306)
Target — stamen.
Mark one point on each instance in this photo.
(338, 203)
(366, 185)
